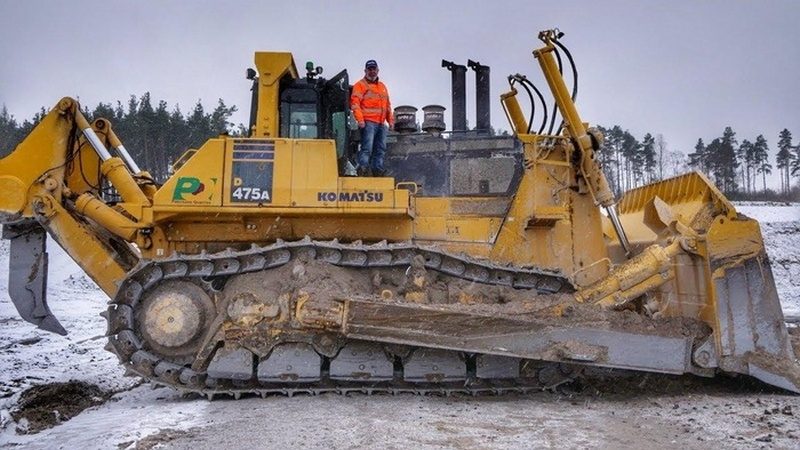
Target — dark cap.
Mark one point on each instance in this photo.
(370, 63)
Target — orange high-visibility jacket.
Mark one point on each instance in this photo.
(370, 101)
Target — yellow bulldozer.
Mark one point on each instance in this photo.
(483, 264)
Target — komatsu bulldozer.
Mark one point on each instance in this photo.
(483, 264)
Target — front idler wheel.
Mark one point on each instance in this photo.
(173, 317)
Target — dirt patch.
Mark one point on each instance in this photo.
(45, 406)
(619, 384)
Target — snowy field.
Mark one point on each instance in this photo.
(780, 225)
(680, 412)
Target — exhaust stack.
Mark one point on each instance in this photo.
(459, 88)
(483, 119)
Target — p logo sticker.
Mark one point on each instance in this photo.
(190, 189)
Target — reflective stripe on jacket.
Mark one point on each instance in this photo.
(370, 101)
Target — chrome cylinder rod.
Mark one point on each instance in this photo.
(123, 153)
(623, 239)
(91, 136)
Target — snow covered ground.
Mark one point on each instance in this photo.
(780, 225)
(704, 413)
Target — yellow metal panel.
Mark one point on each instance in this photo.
(538, 227)
(361, 183)
(462, 206)
(13, 201)
(471, 229)
(433, 228)
(589, 258)
(282, 176)
(272, 68)
(314, 171)
(402, 200)
(196, 232)
(85, 171)
(734, 240)
(368, 229)
(456, 229)
(198, 181)
(432, 206)
(42, 151)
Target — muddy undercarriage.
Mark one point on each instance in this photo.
(315, 317)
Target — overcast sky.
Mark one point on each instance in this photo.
(683, 69)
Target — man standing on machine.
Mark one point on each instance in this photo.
(371, 108)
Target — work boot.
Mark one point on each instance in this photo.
(379, 172)
(363, 171)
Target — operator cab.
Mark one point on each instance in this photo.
(311, 107)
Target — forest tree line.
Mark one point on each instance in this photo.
(739, 169)
(156, 136)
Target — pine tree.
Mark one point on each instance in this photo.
(220, 118)
(631, 152)
(198, 126)
(699, 159)
(609, 157)
(761, 159)
(745, 156)
(105, 111)
(8, 132)
(146, 128)
(710, 151)
(162, 136)
(648, 157)
(723, 162)
(786, 160)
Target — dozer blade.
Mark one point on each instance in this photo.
(27, 280)
(724, 279)
(753, 338)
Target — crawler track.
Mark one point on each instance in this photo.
(207, 360)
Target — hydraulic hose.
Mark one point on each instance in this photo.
(572, 66)
(528, 84)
